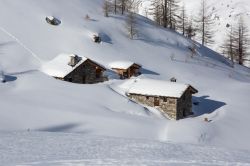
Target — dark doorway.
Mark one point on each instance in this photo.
(84, 79)
(156, 101)
(98, 73)
(70, 80)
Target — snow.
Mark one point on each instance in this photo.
(2, 76)
(225, 12)
(120, 64)
(50, 18)
(59, 66)
(151, 87)
(49, 149)
(31, 100)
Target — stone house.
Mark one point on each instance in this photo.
(126, 69)
(72, 68)
(173, 99)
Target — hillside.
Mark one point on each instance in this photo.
(224, 12)
(33, 101)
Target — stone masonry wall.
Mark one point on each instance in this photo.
(85, 73)
(166, 105)
(184, 105)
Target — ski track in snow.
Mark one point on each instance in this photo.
(21, 44)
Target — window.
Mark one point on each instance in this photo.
(165, 99)
(156, 101)
(147, 97)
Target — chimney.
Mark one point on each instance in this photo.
(73, 61)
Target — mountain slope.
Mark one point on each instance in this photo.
(31, 100)
(226, 12)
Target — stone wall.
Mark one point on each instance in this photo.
(184, 105)
(166, 105)
(84, 74)
(173, 107)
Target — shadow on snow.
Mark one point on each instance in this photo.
(202, 105)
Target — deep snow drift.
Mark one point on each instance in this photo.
(32, 100)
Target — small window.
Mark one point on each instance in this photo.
(147, 97)
(165, 99)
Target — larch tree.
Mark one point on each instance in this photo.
(131, 25)
(190, 29)
(156, 11)
(165, 12)
(133, 5)
(205, 22)
(173, 13)
(229, 46)
(106, 8)
(242, 41)
(115, 6)
(182, 21)
(122, 5)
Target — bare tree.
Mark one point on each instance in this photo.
(229, 46)
(106, 8)
(190, 30)
(131, 25)
(115, 6)
(133, 5)
(242, 42)
(236, 43)
(173, 13)
(205, 22)
(123, 5)
(156, 11)
(165, 12)
(183, 21)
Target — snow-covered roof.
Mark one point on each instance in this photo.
(50, 17)
(150, 87)
(59, 66)
(121, 64)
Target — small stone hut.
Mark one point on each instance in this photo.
(52, 20)
(126, 69)
(76, 69)
(173, 99)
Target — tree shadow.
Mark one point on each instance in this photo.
(60, 128)
(146, 71)
(105, 38)
(7, 43)
(202, 105)
(9, 78)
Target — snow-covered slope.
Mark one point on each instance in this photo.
(225, 12)
(32, 100)
(51, 149)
